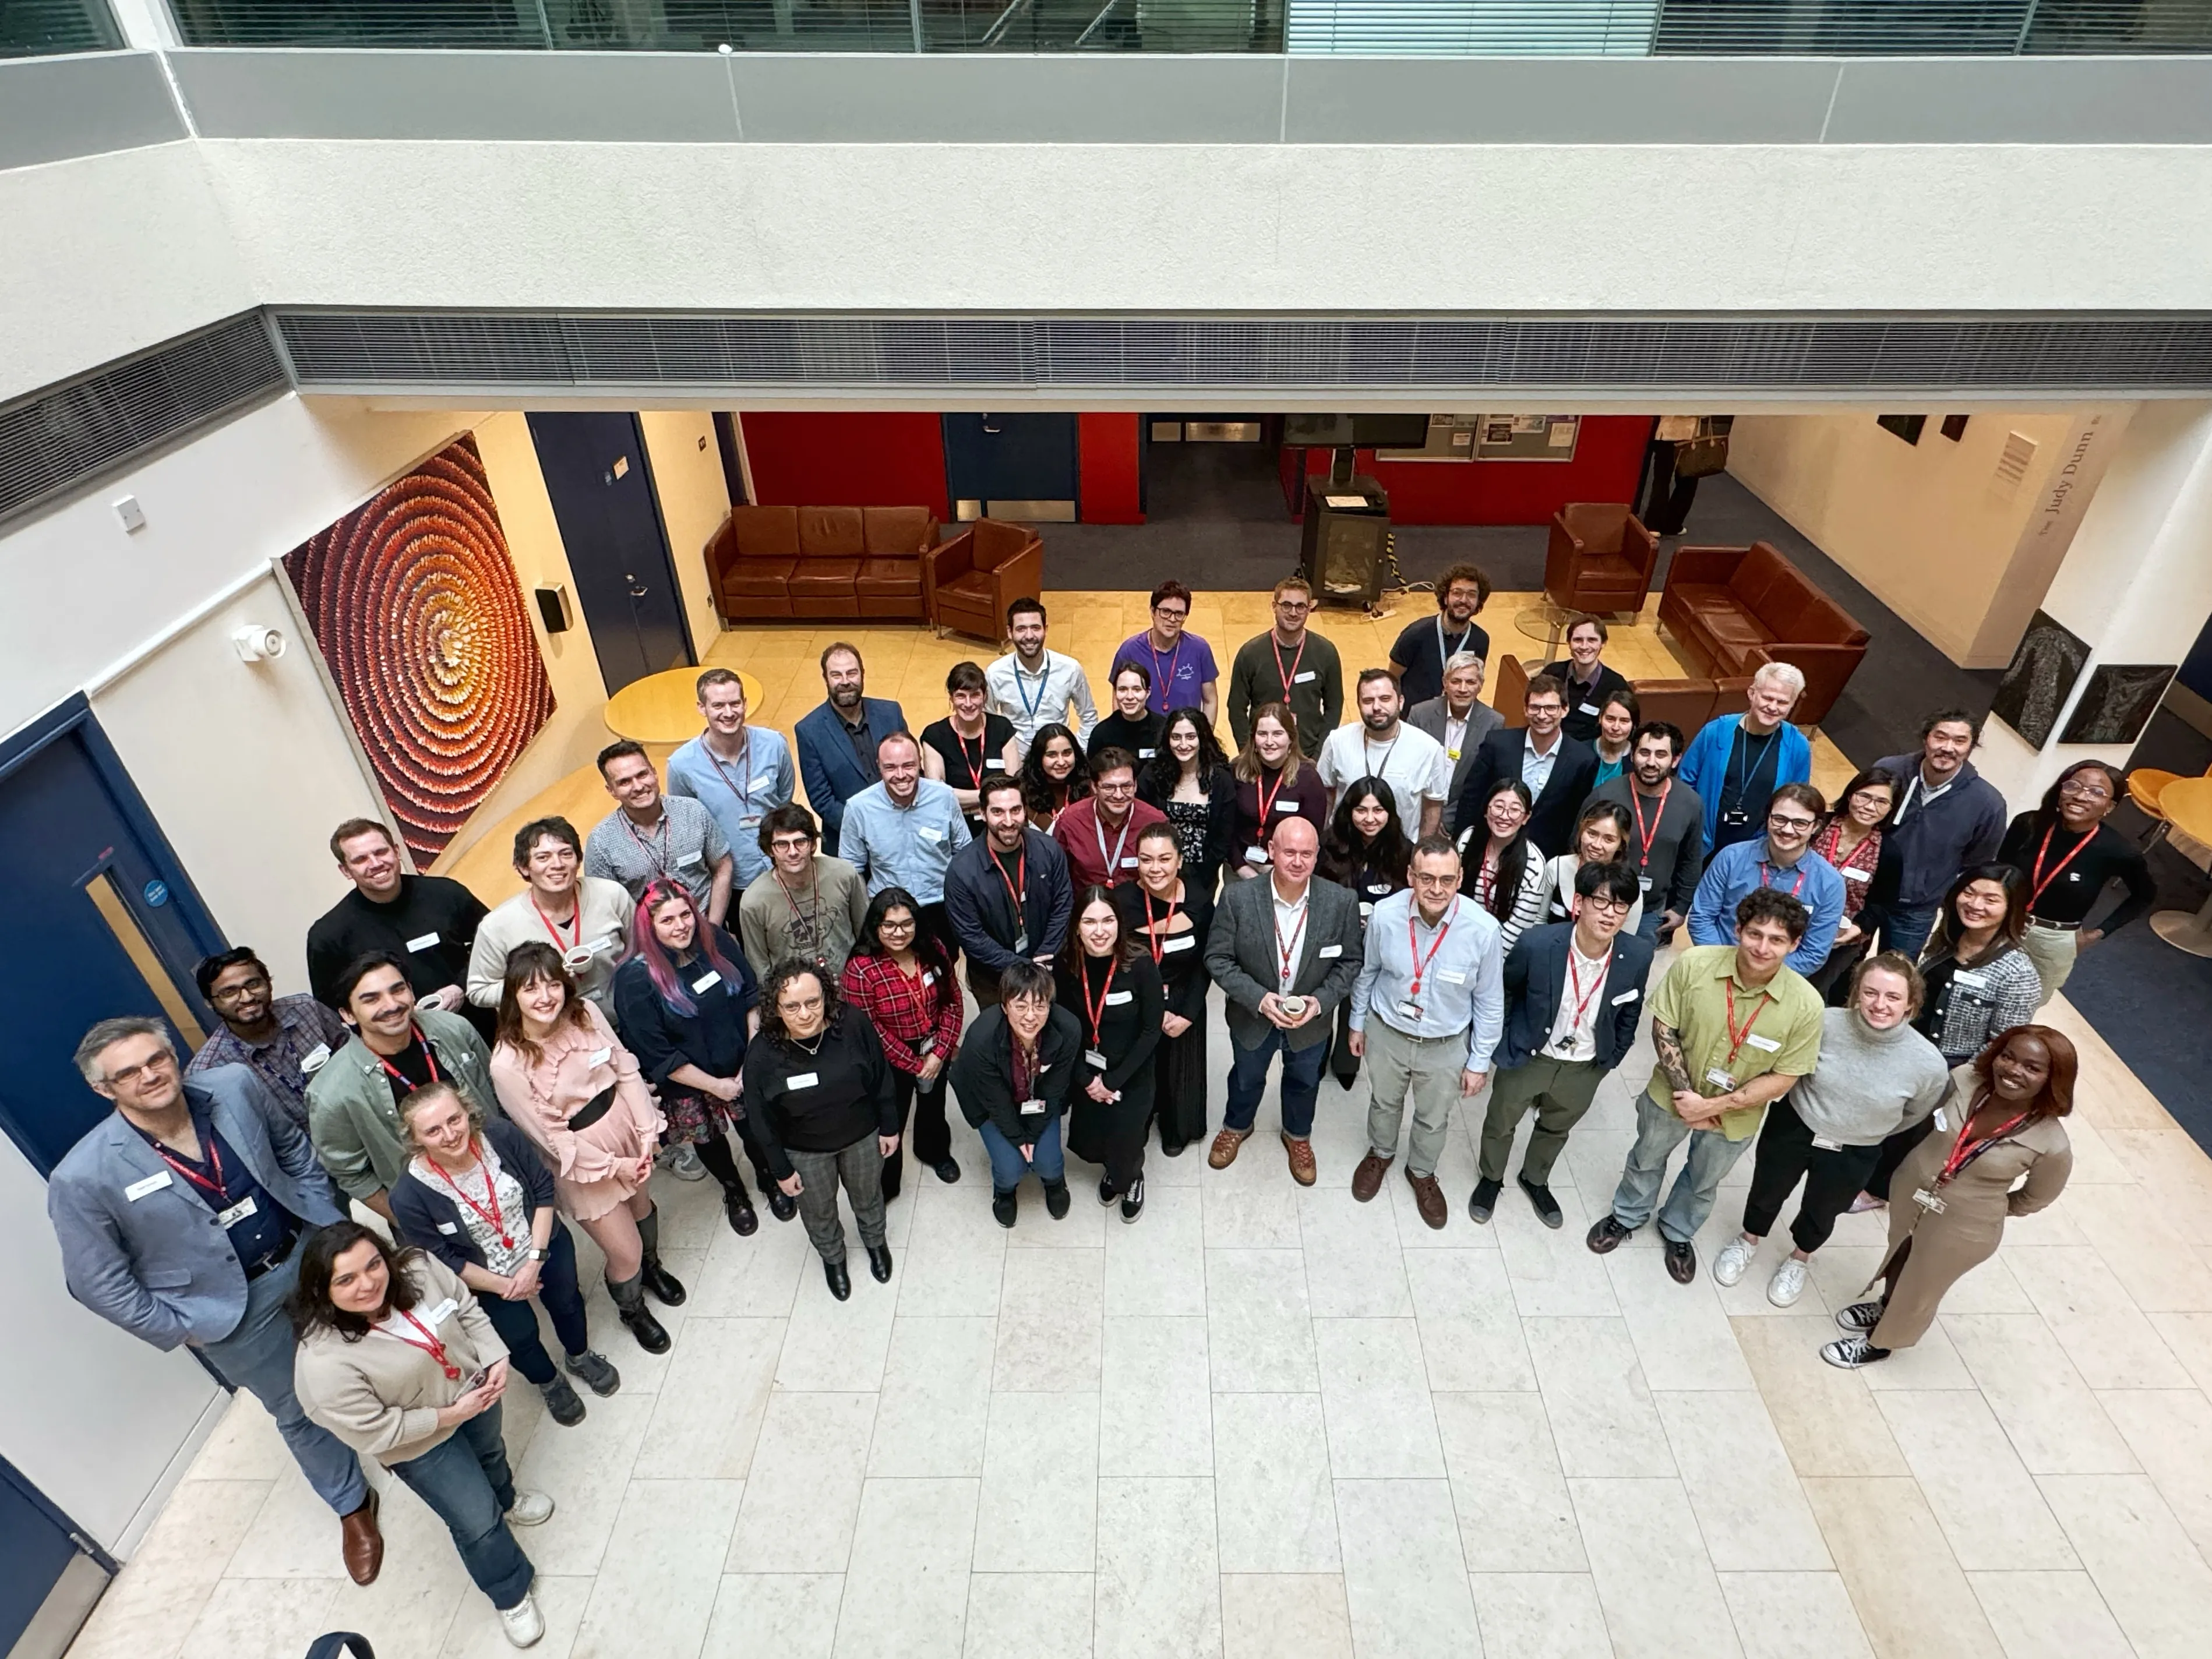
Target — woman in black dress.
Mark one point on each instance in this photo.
(1053, 776)
(2069, 854)
(970, 747)
(1133, 725)
(1189, 779)
(1169, 915)
(1106, 975)
(1365, 850)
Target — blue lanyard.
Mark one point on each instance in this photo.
(1029, 705)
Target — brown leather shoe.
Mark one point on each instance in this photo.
(1429, 1199)
(361, 1542)
(1225, 1147)
(1367, 1179)
(1302, 1160)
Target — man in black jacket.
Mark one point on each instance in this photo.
(1007, 895)
(1668, 851)
(1573, 992)
(1588, 680)
(1560, 771)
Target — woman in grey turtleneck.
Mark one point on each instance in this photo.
(1876, 1075)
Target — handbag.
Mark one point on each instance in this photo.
(592, 1110)
(1701, 456)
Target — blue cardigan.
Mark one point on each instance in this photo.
(833, 773)
(1705, 764)
(424, 1212)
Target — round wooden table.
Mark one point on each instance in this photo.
(2187, 803)
(664, 709)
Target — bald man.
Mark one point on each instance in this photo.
(1284, 949)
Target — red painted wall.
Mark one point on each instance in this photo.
(1108, 447)
(1608, 457)
(820, 459)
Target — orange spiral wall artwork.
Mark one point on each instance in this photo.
(414, 602)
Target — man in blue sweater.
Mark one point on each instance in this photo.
(1781, 859)
(1737, 761)
(1948, 815)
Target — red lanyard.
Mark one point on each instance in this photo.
(1413, 945)
(1658, 814)
(555, 931)
(1485, 879)
(429, 1345)
(1157, 930)
(1289, 951)
(975, 766)
(1165, 685)
(429, 1058)
(1582, 997)
(1021, 1068)
(811, 917)
(1736, 1038)
(1267, 801)
(1289, 675)
(491, 1216)
(1962, 1154)
(1766, 869)
(1099, 1014)
(214, 1162)
(2037, 879)
(1022, 866)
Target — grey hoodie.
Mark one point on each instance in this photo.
(1868, 1084)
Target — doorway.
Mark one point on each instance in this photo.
(1221, 469)
(1021, 467)
(601, 486)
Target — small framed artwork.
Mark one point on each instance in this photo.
(2119, 703)
(2040, 678)
(1907, 427)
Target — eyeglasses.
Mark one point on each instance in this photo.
(232, 992)
(791, 843)
(1610, 906)
(1171, 612)
(1783, 821)
(145, 1072)
(2086, 788)
(1124, 787)
(1296, 607)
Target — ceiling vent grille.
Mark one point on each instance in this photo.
(71, 435)
(1808, 356)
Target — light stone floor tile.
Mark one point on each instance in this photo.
(641, 1372)
(1155, 1397)
(2154, 1580)
(2096, 1322)
(477, 1632)
(755, 1278)
(1036, 1507)
(805, 1488)
(1600, 1406)
(658, 1582)
(1049, 1320)
(933, 1414)
(708, 1413)
(906, 1590)
(1157, 1264)
(2050, 1615)
(293, 1534)
(1901, 1571)
(421, 1588)
(793, 1615)
(1159, 1590)
(245, 1445)
(955, 1254)
(584, 1470)
(2170, 1429)
(1934, 1362)
(1553, 1274)
(254, 1618)
(1030, 1615)
(1259, 1327)
(2054, 1421)
(1280, 1615)
(1243, 1216)
(150, 1606)
(1986, 1501)
(1514, 1512)
(1827, 1419)
(2143, 1248)
(1354, 1266)
(1741, 1488)
(833, 1346)
(1470, 1329)
(1795, 1615)
(1404, 1579)
(1682, 1336)
(1375, 1396)
(1653, 1579)
(2189, 1336)
(1271, 1464)
(1540, 1616)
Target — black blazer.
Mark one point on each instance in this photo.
(983, 1073)
(423, 1211)
(1240, 956)
(1578, 724)
(1535, 984)
(1574, 774)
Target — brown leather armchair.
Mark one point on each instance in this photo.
(1733, 609)
(969, 580)
(1600, 558)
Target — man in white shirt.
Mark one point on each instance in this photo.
(1383, 747)
(1032, 686)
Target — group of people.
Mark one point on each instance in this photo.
(1455, 904)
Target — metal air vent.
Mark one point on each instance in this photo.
(68, 436)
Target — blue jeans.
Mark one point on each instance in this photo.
(1658, 1132)
(1248, 1081)
(517, 1321)
(258, 1358)
(1008, 1166)
(1647, 926)
(465, 1481)
(1906, 928)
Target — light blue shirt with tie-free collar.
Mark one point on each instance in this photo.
(739, 792)
(1462, 986)
(909, 847)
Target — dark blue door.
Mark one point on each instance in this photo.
(603, 498)
(37, 1546)
(1018, 466)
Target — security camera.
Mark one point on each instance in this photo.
(256, 643)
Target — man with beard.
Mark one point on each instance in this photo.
(428, 921)
(838, 738)
(1034, 687)
(283, 1041)
(808, 904)
(1099, 834)
(1008, 894)
(1668, 851)
(1383, 747)
(902, 830)
(1423, 647)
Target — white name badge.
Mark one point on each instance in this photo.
(1147, 754)
(1942, 1119)
(449, 1226)
(1128, 864)
(1587, 708)
(1379, 889)
(688, 858)
(2073, 875)
(1971, 978)
(1180, 942)
(928, 834)
(1457, 976)
(801, 1080)
(1328, 950)
(1629, 995)
(766, 780)
(1857, 875)
(1256, 856)
(1644, 883)
(1822, 1144)
(1365, 909)
(708, 982)
(1304, 675)
(1095, 1058)
(994, 766)
(601, 1056)
(152, 1183)
(1114, 999)
(1033, 1108)
(442, 1312)
(316, 1058)
(1411, 1010)
(750, 821)
(242, 1210)
(422, 941)
(929, 976)
(1722, 1081)
(1763, 1044)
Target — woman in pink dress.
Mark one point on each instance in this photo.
(568, 1084)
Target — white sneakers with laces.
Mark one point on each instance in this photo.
(532, 1509)
(1788, 1283)
(524, 1625)
(1735, 1255)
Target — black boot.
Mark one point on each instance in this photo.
(657, 1280)
(630, 1305)
(841, 1282)
(738, 1206)
(560, 1401)
(879, 1263)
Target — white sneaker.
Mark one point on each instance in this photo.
(524, 1625)
(684, 1163)
(532, 1509)
(1788, 1283)
(1735, 1255)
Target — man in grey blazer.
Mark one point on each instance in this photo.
(1459, 719)
(178, 1216)
(1284, 949)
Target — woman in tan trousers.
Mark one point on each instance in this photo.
(1998, 1150)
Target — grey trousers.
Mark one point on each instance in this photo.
(1559, 1090)
(860, 1168)
(1426, 1068)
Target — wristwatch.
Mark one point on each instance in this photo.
(533, 1254)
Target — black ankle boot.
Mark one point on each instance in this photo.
(841, 1282)
(664, 1284)
(738, 1206)
(879, 1263)
(629, 1306)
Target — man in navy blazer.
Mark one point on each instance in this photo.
(1574, 992)
(837, 738)
(1560, 771)
(1007, 893)
(178, 1216)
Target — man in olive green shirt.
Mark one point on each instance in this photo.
(1735, 1027)
(1288, 664)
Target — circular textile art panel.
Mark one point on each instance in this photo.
(413, 600)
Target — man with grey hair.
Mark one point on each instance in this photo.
(178, 1217)
(1459, 719)
(1738, 761)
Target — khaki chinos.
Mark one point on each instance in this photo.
(1427, 1069)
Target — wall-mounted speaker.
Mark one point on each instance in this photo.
(553, 610)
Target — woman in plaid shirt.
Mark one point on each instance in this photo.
(902, 981)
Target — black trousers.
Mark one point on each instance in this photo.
(1666, 496)
(937, 921)
(1895, 1150)
(517, 1321)
(715, 1152)
(932, 1135)
(1832, 1179)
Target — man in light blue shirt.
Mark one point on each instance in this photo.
(1780, 859)
(1427, 1011)
(903, 831)
(739, 773)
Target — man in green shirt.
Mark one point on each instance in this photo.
(1735, 1027)
(1288, 664)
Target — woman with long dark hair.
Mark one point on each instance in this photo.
(1850, 839)
(1505, 868)
(1601, 835)
(1169, 915)
(1998, 1151)
(1190, 781)
(568, 1084)
(1106, 972)
(684, 1002)
(396, 1358)
(1365, 850)
(899, 977)
(1273, 783)
(1053, 776)
(2069, 855)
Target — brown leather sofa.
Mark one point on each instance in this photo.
(1687, 702)
(836, 562)
(971, 577)
(1735, 609)
(1600, 558)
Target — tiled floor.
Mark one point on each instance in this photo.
(1275, 1423)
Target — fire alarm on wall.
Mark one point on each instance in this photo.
(553, 610)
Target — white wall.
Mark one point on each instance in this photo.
(694, 499)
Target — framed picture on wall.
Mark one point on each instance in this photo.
(2040, 678)
(2119, 703)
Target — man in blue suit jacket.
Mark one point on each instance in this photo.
(837, 738)
(179, 1217)
(1574, 992)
